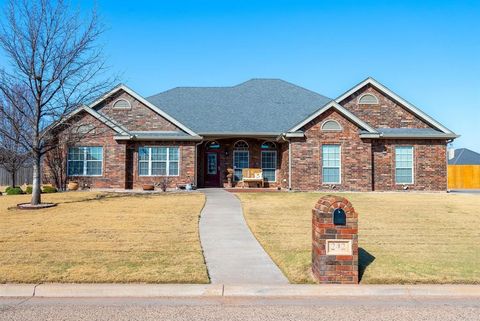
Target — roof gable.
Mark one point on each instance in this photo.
(414, 110)
(147, 104)
(341, 110)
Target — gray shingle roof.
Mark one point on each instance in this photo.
(412, 133)
(257, 105)
(464, 156)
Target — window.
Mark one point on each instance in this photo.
(240, 159)
(85, 161)
(269, 161)
(368, 99)
(122, 104)
(404, 164)
(213, 145)
(331, 164)
(158, 161)
(331, 125)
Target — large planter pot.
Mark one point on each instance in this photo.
(72, 186)
(148, 187)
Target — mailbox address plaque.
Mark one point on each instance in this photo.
(339, 247)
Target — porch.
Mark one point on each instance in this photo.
(220, 161)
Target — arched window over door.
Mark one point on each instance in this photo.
(241, 159)
(213, 145)
(269, 161)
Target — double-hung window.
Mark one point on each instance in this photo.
(158, 161)
(404, 164)
(269, 165)
(331, 164)
(85, 161)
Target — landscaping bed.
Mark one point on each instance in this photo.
(102, 237)
(404, 237)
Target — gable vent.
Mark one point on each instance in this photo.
(122, 104)
(368, 99)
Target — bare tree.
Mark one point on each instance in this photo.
(13, 153)
(54, 53)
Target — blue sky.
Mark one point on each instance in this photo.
(428, 52)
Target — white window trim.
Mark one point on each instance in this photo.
(368, 94)
(167, 170)
(85, 162)
(331, 130)
(276, 160)
(123, 99)
(339, 167)
(413, 165)
(248, 159)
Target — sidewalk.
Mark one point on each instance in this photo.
(232, 253)
(54, 290)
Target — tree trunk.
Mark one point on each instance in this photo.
(36, 188)
(13, 178)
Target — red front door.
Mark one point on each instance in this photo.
(212, 169)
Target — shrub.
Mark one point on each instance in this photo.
(49, 189)
(14, 191)
(28, 189)
(8, 188)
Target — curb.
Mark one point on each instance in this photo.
(54, 290)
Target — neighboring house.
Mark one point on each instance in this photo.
(367, 139)
(463, 169)
(463, 156)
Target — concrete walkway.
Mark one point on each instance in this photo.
(232, 253)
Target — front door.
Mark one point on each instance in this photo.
(212, 170)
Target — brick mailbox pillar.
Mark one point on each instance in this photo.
(335, 241)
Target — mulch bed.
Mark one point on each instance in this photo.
(28, 206)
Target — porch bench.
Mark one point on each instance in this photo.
(252, 175)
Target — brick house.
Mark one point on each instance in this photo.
(368, 139)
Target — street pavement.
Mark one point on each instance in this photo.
(252, 308)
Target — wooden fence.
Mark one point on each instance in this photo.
(24, 175)
(463, 176)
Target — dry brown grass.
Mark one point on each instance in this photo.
(99, 237)
(413, 237)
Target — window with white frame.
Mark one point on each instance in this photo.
(331, 164)
(404, 164)
(240, 159)
(269, 161)
(158, 161)
(85, 161)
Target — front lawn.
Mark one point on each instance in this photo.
(405, 237)
(100, 237)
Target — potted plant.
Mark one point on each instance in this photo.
(72, 186)
(148, 187)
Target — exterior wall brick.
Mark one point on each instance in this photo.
(387, 114)
(430, 165)
(114, 169)
(186, 166)
(138, 118)
(356, 168)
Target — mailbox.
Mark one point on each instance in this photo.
(339, 217)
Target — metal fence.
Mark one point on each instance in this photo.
(24, 175)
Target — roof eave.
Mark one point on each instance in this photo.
(157, 138)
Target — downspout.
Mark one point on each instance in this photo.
(449, 141)
(289, 162)
(196, 163)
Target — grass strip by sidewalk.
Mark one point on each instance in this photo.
(404, 237)
(95, 237)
